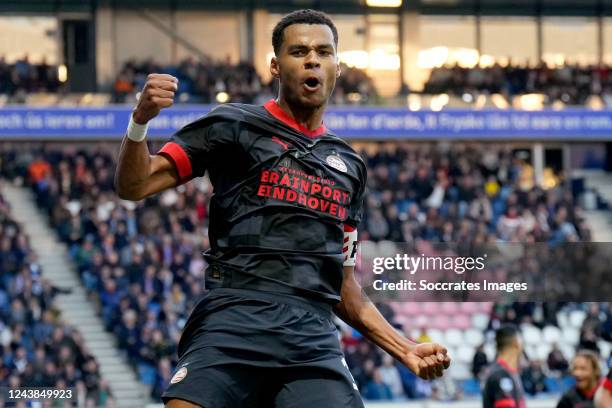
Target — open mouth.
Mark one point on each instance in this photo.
(312, 83)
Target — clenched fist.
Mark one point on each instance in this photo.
(158, 93)
(427, 360)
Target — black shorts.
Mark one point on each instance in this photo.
(250, 349)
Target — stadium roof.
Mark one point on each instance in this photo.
(465, 7)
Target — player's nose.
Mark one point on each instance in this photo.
(312, 60)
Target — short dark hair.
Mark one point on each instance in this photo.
(505, 335)
(305, 16)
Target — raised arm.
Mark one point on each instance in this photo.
(140, 174)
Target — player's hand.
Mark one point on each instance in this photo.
(157, 94)
(427, 360)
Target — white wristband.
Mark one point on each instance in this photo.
(136, 132)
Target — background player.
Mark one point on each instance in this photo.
(226, 350)
(603, 397)
(503, 387)
(585, 369)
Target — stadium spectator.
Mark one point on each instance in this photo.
(206, 80)
(479, 362)
(36, 348)
(376, 389)
(390, 375)
(556, 361)
(533, 378)
(142, 261)
(570, 84)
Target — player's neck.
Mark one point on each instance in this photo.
(510, 358)
(311, 119)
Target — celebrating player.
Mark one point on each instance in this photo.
(503, 387)
(585, 369)
(603, 397)
(287, 200)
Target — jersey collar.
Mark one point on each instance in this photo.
(591, 393)
(276, 111)
(505, 364)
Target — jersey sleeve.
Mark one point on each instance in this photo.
(191, 148)
(607, 384)
(500, 392)
(355, 210)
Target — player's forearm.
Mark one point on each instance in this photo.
(360, 313)
(133, 169)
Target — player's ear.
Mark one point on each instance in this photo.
(274, 68)
(338, 70)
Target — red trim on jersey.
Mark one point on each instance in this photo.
(181, 161)
(504, 364)
(607, 384)
(276, 111)
(348, 228)
(505, 403)
(590, 394)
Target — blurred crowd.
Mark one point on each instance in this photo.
(210, 81)
(142, 261)
(570, 84)
(36, 348)
(24, 77)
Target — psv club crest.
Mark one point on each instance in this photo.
(336, 162)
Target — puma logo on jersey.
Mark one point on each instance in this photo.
(280, 142)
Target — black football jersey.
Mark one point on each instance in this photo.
(503, 387)
(574, 398)
(282, 198)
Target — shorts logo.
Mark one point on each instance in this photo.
(336, 162)
(179, 375)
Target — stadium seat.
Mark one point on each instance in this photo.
(489, 349)
(441, 322)
(453, 337)
(576, 318)
(449, 308)
(543, 350)
(461, 322)
(420, 321)
(562, 319)
(465, 354)
(605, 348)
(480, 321)
(571, 336)
(459, 371)
(411, 308)
(469, 307)
(431, 308)
(567, 383)
(531, 334)
(436, 335)
(471, 387)
(485, 307)
(553, 385)
(551, 334)
(474, 337)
